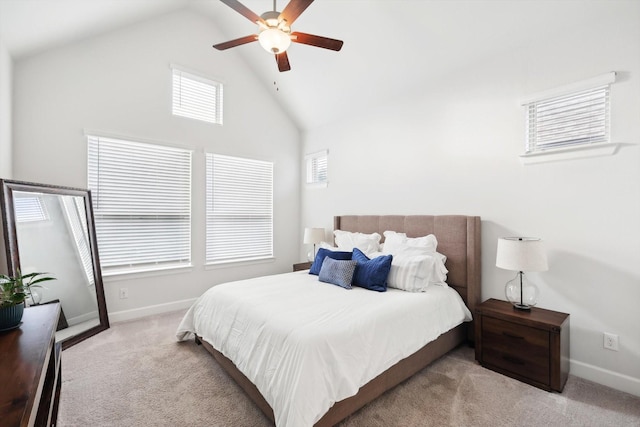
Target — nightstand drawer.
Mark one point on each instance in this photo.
(518, 365)
(515, 339)
(517, 348)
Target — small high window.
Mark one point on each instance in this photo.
(316, 164)
(571, 116)
(196, 97)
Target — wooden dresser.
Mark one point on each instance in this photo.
(30, 369)
(531, 346)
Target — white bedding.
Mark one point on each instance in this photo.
(306, 344)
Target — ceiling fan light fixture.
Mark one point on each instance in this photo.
(274, 40)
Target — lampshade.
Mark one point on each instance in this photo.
(313, 235)
(274, 40)
(521, 254)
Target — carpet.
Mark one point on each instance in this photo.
(136, 374)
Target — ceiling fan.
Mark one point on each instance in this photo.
(274, 31)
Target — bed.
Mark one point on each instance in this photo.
(458, 238)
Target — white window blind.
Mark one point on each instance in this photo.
(317, 167)
(75, 215)
(239, 209)
(29, 208)
(196, 97)
(576, 117)
(141, 197)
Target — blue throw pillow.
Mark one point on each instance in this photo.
(371, 273)
(337, 272)
(322, 254)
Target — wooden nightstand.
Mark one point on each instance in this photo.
(530, 346)
(302, 266)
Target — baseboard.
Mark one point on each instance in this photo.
(137, 313)
(83, 318)
(605, 377)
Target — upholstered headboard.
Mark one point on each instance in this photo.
(458, 238)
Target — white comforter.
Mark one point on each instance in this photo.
(306, 344)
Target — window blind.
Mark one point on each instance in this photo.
(142, 203)
(239, 209)
(74, 211)
(29, 209)
(317, 167)
(576, 114)
(196, 97)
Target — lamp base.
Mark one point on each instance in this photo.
(521, 293)
(523, 307)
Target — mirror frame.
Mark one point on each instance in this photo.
(7, 188)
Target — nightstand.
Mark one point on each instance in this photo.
(302, 266)
(530, 346)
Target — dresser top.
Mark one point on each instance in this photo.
(537, 317)
(24, 355)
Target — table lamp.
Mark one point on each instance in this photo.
(315, 236)
(521, 254)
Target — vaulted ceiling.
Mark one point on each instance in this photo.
(391, 47)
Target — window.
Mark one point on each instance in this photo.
(239, 209)
(196, 97)
(571, 116)
(74, 213)
(316, 164)
(141, 197)
(29, 208)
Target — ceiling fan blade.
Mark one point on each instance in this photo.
(318, 41)
(243, 10)
(283, 61)
(294, 9)
(236, 42)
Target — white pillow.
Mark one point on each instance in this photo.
(367, 243)
(395, 242)
(409, 272)
(414, 270)
(328, 246)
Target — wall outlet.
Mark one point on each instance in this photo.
(610, 341)
(124, 293)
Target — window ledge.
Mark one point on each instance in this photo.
(238, 263)
(569, 153)
(323, 184)
(136, 273)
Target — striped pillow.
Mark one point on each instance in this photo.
(411, 272)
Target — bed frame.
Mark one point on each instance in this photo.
(459, 239)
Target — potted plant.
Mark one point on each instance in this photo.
(13, 292)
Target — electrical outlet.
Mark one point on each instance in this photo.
(610, 341)
(124, 293)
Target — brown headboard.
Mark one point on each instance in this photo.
(458, 238)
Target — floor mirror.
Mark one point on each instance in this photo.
(50, 229)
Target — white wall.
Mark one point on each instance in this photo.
(6, 69)
(6, 90)
(452, 146)
(120, 84)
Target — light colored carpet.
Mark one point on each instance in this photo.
(136, 374)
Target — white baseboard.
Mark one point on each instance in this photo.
(137, 313)
(85, 317)
(605, 377)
